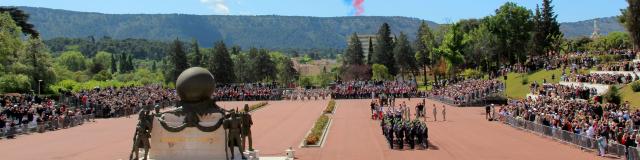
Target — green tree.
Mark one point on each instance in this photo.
(380, 72)
(73, 60)
(354, 54)
(242, 67)
(103, 58)
(631, 19)
(264, 69)
(222, 66)
(10, 40)
(425, 44)
(512, 25)
(178, 60)
(370, 53)
(404, 55)
(286, 72)
(14, 83)
(383, 52)
(452, 47)
(481, 48)
(114, 65)
(197, 56)
(21, 19)
(39, 60)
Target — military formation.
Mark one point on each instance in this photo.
(400, 132)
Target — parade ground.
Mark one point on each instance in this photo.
(282, 124)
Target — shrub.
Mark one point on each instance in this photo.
(525, 80)
(635, 86)
(613, 95)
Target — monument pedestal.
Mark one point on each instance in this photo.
(190, 143)
(252, 155)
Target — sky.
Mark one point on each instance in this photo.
(440, 11)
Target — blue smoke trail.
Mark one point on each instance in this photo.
(349, 3)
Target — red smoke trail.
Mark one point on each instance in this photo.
(357, 4)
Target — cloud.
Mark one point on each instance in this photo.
(218, 6)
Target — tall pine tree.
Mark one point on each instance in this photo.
(197, 56)
(425, 44)
(354, 54)
(370, 53)
(631, 19)
(550, 26)
(383, 53)
(222, 66)
(404, 55)
(178, 59)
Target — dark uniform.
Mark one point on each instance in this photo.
(399, 129)
(233, 124)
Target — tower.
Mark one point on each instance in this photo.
(596, 30)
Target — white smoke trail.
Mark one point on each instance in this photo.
(218, 6)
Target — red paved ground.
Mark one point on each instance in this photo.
(282, 124)
(465, 135)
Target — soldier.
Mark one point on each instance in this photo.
(425, 135)
(246, 127)
(389, 132)
(233, 124)
(408, 134)
(444, 113)
(399, 129)
(435, 113)
(142, 135)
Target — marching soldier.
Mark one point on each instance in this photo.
(399, 129)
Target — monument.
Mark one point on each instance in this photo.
(197, 129)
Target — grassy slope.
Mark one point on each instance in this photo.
(629, 95)
(517, 90)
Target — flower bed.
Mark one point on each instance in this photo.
(257, 106)
(315, 135)
(330, 107)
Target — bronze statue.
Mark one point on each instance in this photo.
(142, 135)
(246, 127)
(234, 125)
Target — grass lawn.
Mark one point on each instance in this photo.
(629, 95)
(517, 90)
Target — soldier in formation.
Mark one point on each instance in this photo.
(399, 132)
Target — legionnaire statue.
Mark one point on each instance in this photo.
(142, 135)
(234, 125)
(246, 127)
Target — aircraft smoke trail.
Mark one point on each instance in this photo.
(357, 4)
(356, 7)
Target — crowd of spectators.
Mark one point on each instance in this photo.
(31, 112)
(608, 123)
(466, 91)
(599, 78)
(247, 92)
(620, 66)
(308, 94)
(562, 91)
(124, 101)
(371, 89)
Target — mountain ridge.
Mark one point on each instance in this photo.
(266, 31)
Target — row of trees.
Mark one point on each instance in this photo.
(512, 35)
(231, 65)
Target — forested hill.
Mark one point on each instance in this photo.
(585, 28)
(246, 31)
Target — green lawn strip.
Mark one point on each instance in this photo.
(517, 90)
(632, 97)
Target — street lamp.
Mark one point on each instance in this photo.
(39, 81)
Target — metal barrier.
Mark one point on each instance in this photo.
(60, 123)
(580, 140)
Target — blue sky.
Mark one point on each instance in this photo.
(441, 11)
